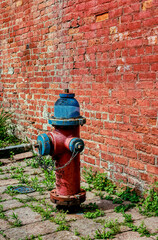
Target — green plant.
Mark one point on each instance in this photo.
(122, 208)
(36, 185)
(18, 173)
(149, 205)
(32, 237)
(143, 231)
(100, 194)
(128, 218)
(117, 201)
(89, 207)
(97, 213)
(2, 233)
(11, 154)
(98, 181)
(109, 197)
(2, 215)
(60, 219)
(76, 232)
(86, 238)
(9, 190)
(28, 199)
(49, 180)
(6, 129)
(114, 229)
(45, 213)
(129, 195)
(17, 222)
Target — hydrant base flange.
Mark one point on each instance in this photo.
(73, 200)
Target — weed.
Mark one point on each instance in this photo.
(2, 233)
(11, 154)
(97, 213)
(109, 197)
(98, 181)
(36, 185)
(17, 222)
(86, 238)
(149, 206)
(76, 232)
(143, 231)
(2, 215)
(61, 221)
(117, 201)
(129, 195)
(122, 208)
(45, 213)
(32, 162)
(18, 173)
(32, 237)
(9, 190)
(89, 206)
(6, 130)
(128, 218)
(28, 199)
(100, 194)
(49, 180)
(114, 229)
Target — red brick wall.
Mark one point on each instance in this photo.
(107, 53)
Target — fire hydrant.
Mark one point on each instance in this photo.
(65, 145)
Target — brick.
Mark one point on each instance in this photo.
(152, 169)
(121, 160)
(136, 164)
(146, 158)
(21, 156)
(102, 17)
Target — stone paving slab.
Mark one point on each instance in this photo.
(151, 223)
(63, 235)
(5, 160)
(8, 182)
(38, 228)
(11, 204)
(4, 176)
(112, 216)
(85, 227)
(2, 238)
(135, 214)
(4, 224)
(130, 236)
(5, 197)
(26, 215)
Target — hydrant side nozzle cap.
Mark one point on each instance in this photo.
(76, 144)
(44, 144)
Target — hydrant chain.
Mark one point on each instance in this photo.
(44, 166)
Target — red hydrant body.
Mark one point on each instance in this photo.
(65, 145)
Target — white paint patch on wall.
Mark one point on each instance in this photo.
(152, 40)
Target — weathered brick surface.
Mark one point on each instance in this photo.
(104, 51)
